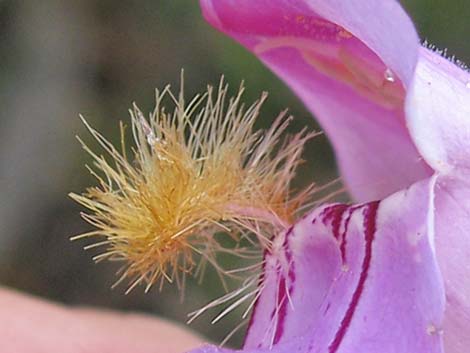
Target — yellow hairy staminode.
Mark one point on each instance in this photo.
(195, 171)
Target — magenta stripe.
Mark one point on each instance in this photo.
(333, 215)
(370, 215)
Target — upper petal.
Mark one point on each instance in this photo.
(353, 279)
(350, 62)
(438, 114)
(381, 25)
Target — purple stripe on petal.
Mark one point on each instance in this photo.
(282, 307)
(370, 213)
(333, 215)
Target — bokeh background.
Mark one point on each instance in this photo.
(95, 57)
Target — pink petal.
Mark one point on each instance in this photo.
(453, 254)
(438, 114)
(382, 25)
(353, 279)
(341, 58)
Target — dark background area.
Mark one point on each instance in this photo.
(61, 58)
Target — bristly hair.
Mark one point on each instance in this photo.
(191, 173)
(445, 54)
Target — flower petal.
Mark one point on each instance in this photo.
(382, 25)
(438, 114)
(453, 254)
(341, 58)
(353, 279)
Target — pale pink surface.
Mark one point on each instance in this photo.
(438, 114)
(361, 279)
(31, 325)
(453, 253)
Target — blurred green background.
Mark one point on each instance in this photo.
(61, 58)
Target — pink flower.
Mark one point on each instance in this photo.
(380, 276)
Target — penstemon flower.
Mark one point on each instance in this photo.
(390, 274)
